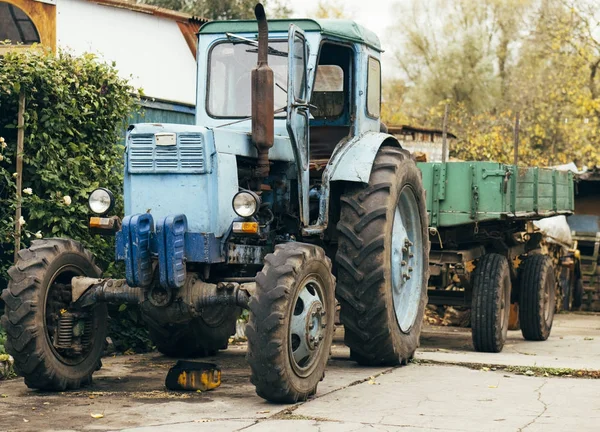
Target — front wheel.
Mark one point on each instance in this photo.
(201, 337)
(54, 348)
(291, 323)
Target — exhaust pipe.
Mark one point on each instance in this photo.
(263, 134)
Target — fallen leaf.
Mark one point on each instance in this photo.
(198, 391)
(46, 403)
(92, 397)
(529, 372)
(588, 338)
(3, 395)
(372, 381)
(485, 369)
(26, 421)
(262, 412)
(97, 416)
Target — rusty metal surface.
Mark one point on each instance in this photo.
(263, 98)
(245, 254)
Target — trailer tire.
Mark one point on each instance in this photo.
(537, 297)
(381, 308)
(37, 291)
(293, 306)
(490, 309)
(203, 336)
(578, 292)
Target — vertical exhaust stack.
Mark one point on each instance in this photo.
(263, 133)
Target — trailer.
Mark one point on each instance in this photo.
(486, 253)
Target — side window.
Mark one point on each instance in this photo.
(328, 93)
(374, 88)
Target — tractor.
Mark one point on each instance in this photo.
(285, 195)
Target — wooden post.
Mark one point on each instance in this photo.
(516, 141)
(445, 134)
(19, 171)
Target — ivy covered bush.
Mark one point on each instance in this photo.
(77, 108)
(76, 111)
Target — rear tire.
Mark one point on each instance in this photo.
(578, 295)
(490, 309)
(38, 291)
(291, 323)
(537, 297)
(382, 261)
(201, 337)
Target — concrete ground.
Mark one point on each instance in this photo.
(449, 387)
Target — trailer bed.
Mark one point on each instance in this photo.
(460, 193)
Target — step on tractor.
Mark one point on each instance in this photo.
(285, 195)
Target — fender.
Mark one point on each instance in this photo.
(351, 161)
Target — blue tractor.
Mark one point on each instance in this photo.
(287, 194)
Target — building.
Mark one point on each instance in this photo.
(154, 48)
(425, 144)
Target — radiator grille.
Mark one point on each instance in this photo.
(186, 157)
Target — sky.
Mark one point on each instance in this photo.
(376, 15)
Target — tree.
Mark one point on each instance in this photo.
(332, 9)
(223, 9)
(492, 58)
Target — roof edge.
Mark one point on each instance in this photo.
(151, 10)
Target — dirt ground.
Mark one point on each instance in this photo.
(129, 392)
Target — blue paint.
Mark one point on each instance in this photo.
(169, 242)
(135, 240)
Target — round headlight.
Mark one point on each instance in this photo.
(245, 203)
(101, 201)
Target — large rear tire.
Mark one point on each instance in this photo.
(38, 293)
(291, 323)
(537, 297)
(201, 337)
(382, 261)
(490, 308)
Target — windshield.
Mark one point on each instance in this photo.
(230, 66)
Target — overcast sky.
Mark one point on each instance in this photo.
(376, 15)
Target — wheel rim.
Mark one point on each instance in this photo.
(58, 298)
(308, 325)
(407, 259)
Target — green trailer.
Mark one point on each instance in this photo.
(485, 252)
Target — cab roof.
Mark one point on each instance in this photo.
(343, 29)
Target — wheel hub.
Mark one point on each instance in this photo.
(307, 325)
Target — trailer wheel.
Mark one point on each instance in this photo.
(201, 337)
(537, 297)
(578, 294)
(37, 298)
(291, 323)
(382, 261)
(490, 309)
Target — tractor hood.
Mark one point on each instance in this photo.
(189, 168)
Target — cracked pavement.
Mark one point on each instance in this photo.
(129, 392)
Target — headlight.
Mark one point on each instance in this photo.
(101, 201)
(245, 203)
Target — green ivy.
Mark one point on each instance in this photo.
(77, 108)
(76, 111)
